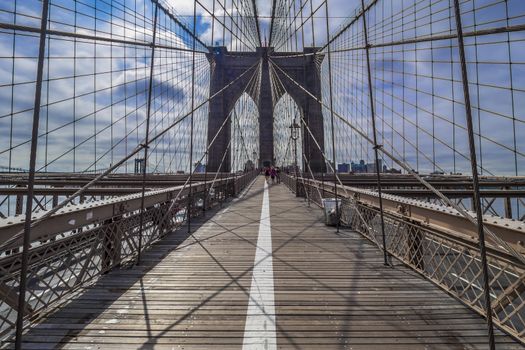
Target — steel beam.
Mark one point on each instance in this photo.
(438, 217)
(76, 216)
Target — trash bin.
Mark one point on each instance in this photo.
(331, 214)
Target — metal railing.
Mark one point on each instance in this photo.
(77, 245)
(419, 238)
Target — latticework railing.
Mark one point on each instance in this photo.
(104, 235)
(448, 259)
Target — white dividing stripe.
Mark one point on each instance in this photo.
(259, 331)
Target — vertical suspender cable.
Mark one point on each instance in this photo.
(312, 20)
(190, 195)
(207, 142)
(213, 23)
(331, 104)
(374, 128)
(146, 142)
(224, 24)
(274, 4)
(31, 178)
(475, 179)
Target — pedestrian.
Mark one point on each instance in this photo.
(273, 174)
(267, 173)
(278, 174)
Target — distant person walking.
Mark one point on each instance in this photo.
(273, 174)
(267, 174)
(278, 174)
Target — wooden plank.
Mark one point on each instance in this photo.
(331, 292)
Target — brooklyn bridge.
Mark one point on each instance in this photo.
(255, 174)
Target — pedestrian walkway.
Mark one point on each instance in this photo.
(263, 272)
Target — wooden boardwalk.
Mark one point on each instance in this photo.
(331, 291)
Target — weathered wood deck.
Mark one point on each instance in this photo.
(331, 291)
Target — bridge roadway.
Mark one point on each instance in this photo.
(318, 290)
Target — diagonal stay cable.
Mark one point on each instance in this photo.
(351, 199)
(139, 147)
(193, 170)
(409, 170)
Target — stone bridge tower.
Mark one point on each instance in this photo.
(228, 66)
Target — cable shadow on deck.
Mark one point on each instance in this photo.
(89, 299)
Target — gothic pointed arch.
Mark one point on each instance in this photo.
(244, 147)
(288, 142)
(227, 70)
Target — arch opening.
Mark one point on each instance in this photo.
(244, 131)
(287, 133)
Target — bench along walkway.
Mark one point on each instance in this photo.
(263, 273)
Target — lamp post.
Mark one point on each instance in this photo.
(294, 134)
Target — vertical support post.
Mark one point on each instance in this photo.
(146, 140)
(220, 193)
(234, 177)
(190, 195)
(31, 178)
(313, 178)
(508, 205)
(322, 180)
(233, 150)
(331, 104)
(19, 206)
(376, 146)
(295, 161)
(475, 179)
(205, 184)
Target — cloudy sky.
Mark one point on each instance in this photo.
(94, 97)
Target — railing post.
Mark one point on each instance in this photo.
(31, 178)
(206, 173)
(221, 193)
(475, 179)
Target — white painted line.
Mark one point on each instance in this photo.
(259, 330)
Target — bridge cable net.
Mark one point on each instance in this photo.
(413, 81)
(117, 98)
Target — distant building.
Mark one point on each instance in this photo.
(371, 167)
(201, 168)
(358, 167)
(343, 168)
(391, 170)
(139, 165)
